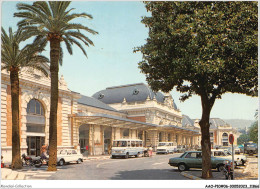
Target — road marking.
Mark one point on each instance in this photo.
(158, 163)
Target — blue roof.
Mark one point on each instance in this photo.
(131, 93)
(186, 120)
(90, 101)
(215, 122)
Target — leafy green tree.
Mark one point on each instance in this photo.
(253, 132)
(13, 60)
(243, 138)
(202, 48)
(52, 21)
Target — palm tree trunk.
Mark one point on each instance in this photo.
(205, 139)
(54, 69)
(16, 151)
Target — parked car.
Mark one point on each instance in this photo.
(166, 147)
(128, 147)
(180, 149)
(69, 155)
(239, 159)
(193, 159)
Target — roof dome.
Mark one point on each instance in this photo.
(129, 93)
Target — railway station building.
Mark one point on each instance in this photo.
(127, 111)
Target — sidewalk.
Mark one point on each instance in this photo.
(247, 172)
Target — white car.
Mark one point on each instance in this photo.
(239, 159)
(166, 147)
(69, 155)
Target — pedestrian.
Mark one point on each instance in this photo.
(78, 148)
(44, 151)
(150, 149)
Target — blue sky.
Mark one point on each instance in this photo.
(111, 61)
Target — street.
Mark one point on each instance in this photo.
(145, 168)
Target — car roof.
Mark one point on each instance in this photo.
(193, 151)
(217, 150)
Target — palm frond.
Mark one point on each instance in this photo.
(74, 26)
(12, 56)
(81, 37)
(68, 45)
(78, 44)
(72, 16)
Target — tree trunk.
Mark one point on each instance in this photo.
(54, 69)
(205, 141)
(16, 151)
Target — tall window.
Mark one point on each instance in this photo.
(225, 139)
(126, 133)
(35, 117)
(160, 137)
(169, 137)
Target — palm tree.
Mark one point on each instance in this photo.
(51, 21)
(13, 60)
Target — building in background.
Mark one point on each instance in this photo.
(129, 111)
(219, 132)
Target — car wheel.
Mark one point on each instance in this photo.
(126, 156)
(220, 168)
(182, 167)
(243, 162)
(79, 161)
(146, 154)
(138, 155)
(61, 162)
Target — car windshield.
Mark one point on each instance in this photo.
(63, 152)
(228, 153)
(163, 144)
(182, 155)
(119, 143)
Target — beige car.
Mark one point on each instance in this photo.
(239, 159)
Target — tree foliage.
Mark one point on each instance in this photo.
(53, 22)
(210, 45)
(243, 138)
(13, 60)
(203, 48)
(253, 132)
(53, 19)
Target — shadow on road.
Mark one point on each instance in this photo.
(149, 174)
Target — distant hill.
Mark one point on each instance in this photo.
(239, 123)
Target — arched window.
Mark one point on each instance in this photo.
(34, 107)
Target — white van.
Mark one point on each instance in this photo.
(127, 147)
(166, 147)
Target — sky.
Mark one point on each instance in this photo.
(112, 62)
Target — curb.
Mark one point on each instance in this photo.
(190, 176)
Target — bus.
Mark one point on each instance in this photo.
(127, 147)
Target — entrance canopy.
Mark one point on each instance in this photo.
(115, 121)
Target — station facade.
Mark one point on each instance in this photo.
(128, 111)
